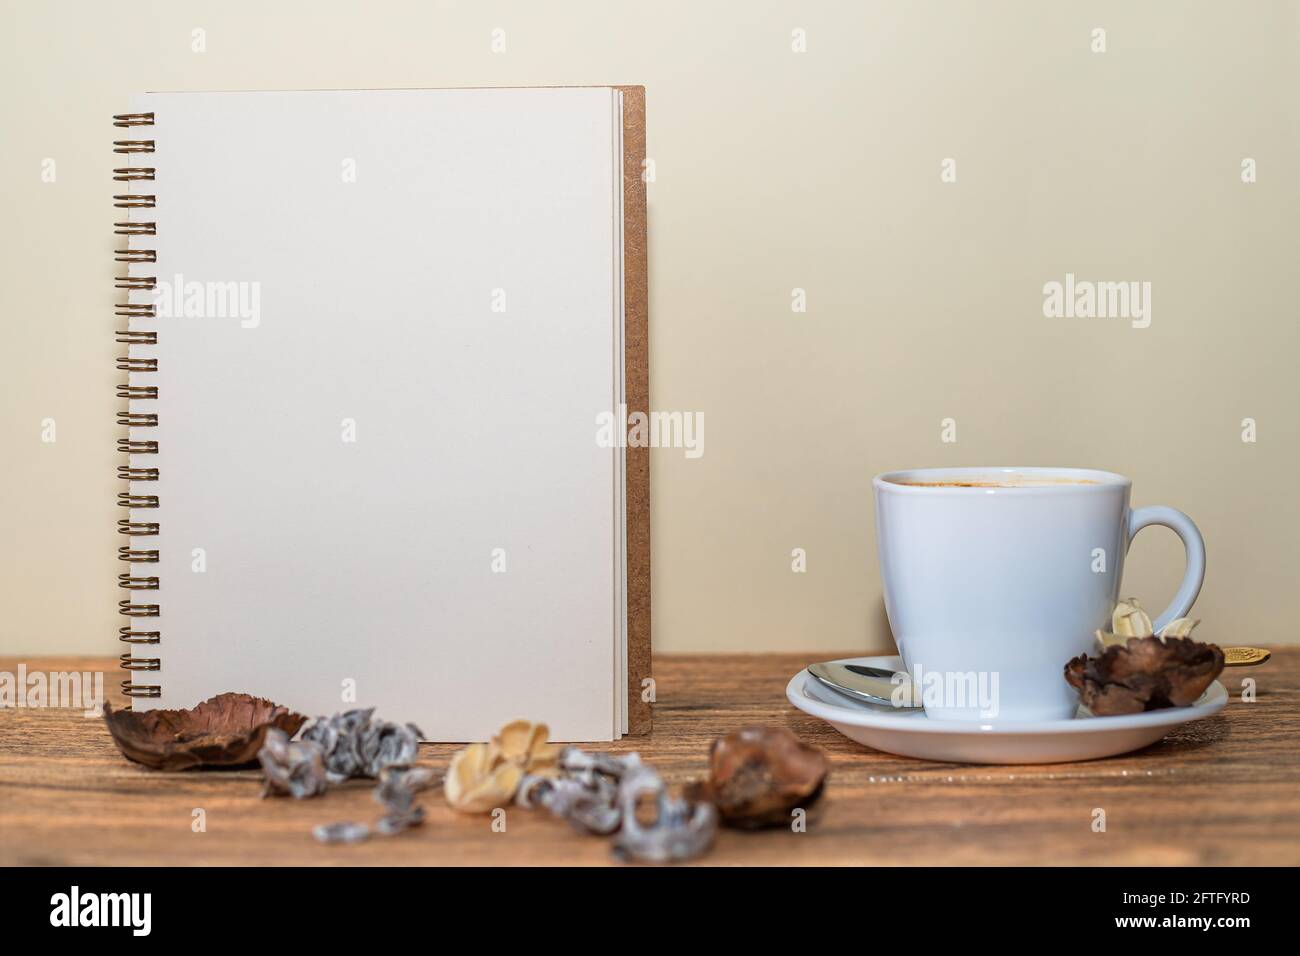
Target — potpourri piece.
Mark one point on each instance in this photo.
(483, 777)
(758, 777)
(292, 768)
(1146, 673)
(583, 792)
(341, 832)
(223, 731)
(602, 794)
(396, 794)
(354, 744)
(1136, 671)
(680, 829)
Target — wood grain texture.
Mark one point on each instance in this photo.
(1220, 791)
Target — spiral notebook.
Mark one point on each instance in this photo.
(373, 340)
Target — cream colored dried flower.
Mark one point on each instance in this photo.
(483, 777)
(474, 785)
(1180, 627)
(1129, 620)
(524, 743)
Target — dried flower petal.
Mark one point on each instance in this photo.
(337, 740)
(591, 807)
(396, 792)
(483, 777)
(394, 823)
(1129, 620)
(681, 829)
(293, 768)
(414, 779)
(1179, 627)
(525, 743)
(341, 832)
(515, 739)
(1145, 673)
(354, 744)
(223, 731)
(600, 793)
(388, 745)
(474, 784)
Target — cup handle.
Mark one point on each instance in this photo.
(1193, 544)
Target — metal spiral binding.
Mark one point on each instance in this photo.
(144, 283)
(137, 529)
(137, 337)
(133, 119)
(128, 580)
(132, 201)
(128, 363)
(137, 391)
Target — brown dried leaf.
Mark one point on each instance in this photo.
(1145, 673)
(759, 775)
(223, 731)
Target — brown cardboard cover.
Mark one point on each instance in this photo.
(636, 345)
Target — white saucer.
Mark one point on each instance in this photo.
(912, 734)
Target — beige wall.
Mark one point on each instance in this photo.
(775, 170)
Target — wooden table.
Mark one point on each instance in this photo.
(1221, 791)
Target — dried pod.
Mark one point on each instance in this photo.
(591, 806)
(292, 768)
(354, 744)
(582, 788)
(681, 829)
(414, 779)
(337, 738)
(396, 794)
(609, 794)
(224, 731)
(759, 775)
(388, 745)
(478, 781)
(588, 766)
(1146, 673)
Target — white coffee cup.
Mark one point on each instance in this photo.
(995, 577)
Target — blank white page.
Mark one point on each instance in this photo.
(385, 488)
